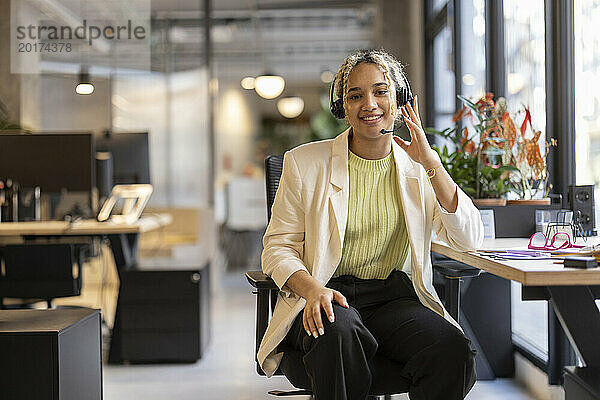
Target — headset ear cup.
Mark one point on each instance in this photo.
(400, 97)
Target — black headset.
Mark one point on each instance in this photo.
(403, 96)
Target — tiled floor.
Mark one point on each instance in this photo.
(227, 371)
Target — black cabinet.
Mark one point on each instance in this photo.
(163, 316)
(50, 354)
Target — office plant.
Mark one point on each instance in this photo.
(487, 157)
(5, 123)
(475, 161)
(524, 151)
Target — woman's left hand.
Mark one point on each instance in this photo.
(418, 148)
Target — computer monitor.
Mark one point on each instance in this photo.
(53, 161)
(130, 156)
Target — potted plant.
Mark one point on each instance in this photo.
(523, 150)
(496, 160)
(477, 164)
(492, 160)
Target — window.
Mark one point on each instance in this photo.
(473, 48)
(443, 71)
(524, 46)
(587, 95)
(437, 5)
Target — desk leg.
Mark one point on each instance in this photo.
(560, 353)
(125, 249)
(577, 312)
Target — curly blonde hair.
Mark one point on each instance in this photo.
(389, 65)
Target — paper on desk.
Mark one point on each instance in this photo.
(515, 254)
(489, 229)
(588, 251)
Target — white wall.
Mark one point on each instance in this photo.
(174, 110)
(236, 126)
(62, 109)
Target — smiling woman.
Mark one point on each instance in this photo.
(369, 101)
(367, 290)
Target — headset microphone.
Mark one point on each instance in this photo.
(384, 131)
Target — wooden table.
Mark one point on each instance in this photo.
(84, 227)
(123, 237)
(527, 272)
(572, 292)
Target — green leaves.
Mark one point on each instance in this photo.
(5, 124)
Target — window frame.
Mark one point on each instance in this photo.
(560, 119)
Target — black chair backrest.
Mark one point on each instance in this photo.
(273, 168)
(42, 271)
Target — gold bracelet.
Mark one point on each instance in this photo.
(431, 172)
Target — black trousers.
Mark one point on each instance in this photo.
(385, 317)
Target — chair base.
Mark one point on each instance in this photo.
(281, 393)
(302, 392)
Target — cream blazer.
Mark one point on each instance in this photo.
(308, 223)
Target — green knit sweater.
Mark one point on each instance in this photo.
(376, 240)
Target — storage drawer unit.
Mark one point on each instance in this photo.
(164, 315)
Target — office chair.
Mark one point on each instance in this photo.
(384, 370)
(40, 271)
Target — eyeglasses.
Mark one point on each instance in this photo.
(560, 240)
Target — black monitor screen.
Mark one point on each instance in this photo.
(53, 161)
(131, 161)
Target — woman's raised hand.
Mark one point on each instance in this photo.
(320, 298)
(418, 148)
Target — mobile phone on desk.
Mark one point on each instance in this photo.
(580, 262)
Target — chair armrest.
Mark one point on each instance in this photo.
(455, 269)
(266, 293)
(260, 281)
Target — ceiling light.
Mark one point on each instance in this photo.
(248, 83)
(326, 76)
(85, 85)
(84, 88)
(290, 107)
(269, 86)
(468, 79)
(515, 82)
